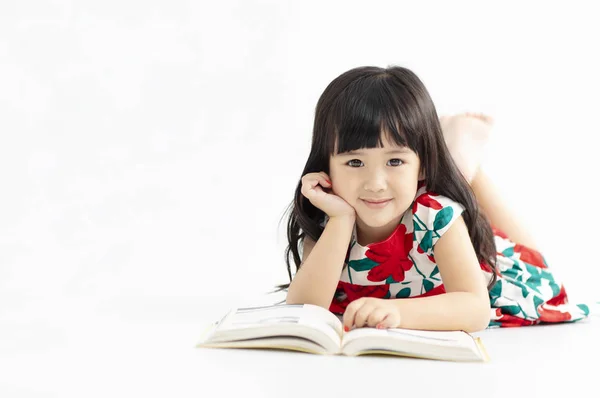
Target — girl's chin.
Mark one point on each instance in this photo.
(375, 222)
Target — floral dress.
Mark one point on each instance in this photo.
(404, 266)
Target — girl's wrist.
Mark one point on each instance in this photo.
(349, 219)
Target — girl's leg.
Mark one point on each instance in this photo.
(466, 136)
(498, 212)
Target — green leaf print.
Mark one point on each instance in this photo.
(508, 252)
(513, 272)
(496, 292)
(416, 226)
(404, 293)
(511, 309)
(364, 264)
(435, 271)
(537, 301)
(428, 285)
(442, 218)
(534, 281)
(546, 275)
(426, 242)
(525, 290)
(387, 295)
(584, 308)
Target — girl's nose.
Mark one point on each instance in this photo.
(376, 183)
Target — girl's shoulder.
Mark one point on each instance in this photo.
(427, 201)
(432, 216)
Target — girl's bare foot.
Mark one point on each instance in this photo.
(466, 135)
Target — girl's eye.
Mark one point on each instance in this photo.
(358, 163)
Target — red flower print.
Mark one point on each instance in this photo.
(391, 255)
(488, 268)
(433, 292)
(552, 315)
(560, 298)
(530, 256)
(427, 201)
(499, 232)
(354, 292)
(338, 307)
(508, 321)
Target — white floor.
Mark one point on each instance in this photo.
(135, 346)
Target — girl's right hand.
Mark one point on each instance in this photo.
(316, 187)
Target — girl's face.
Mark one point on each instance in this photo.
(389, 174)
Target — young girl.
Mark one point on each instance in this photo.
(391, 224)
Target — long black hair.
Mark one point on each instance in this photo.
(352, 112)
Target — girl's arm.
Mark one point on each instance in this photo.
(466, 305)
(317, 278)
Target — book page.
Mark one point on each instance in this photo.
(279, 316)
(445, 345)
(443, 338)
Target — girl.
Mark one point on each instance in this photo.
(391, 224)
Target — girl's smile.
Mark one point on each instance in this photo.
(376, 204)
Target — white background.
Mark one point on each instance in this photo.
(148, 150)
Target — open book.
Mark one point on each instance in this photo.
(313, 329)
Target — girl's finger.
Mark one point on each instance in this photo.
(349, 314)
(313, 179)
(308, 191)
(392, 320)
(360, 319)
(309, 184)
(376, 316)
(325, 176)
(325, 183)
(382, 323)
(318, 180)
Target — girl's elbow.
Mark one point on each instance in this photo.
(481, 315)
(479, 324)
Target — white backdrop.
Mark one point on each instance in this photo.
(151, 148)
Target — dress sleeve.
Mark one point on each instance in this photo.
(433, 215)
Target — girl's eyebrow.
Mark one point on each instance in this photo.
(391, 152)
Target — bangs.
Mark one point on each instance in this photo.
(365, 111)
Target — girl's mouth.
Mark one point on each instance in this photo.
(376, 204)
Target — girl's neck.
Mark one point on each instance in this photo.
(366, 235)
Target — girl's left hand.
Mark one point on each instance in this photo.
(371, 312)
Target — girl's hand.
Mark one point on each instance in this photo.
(372, 312)
(316, 187)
